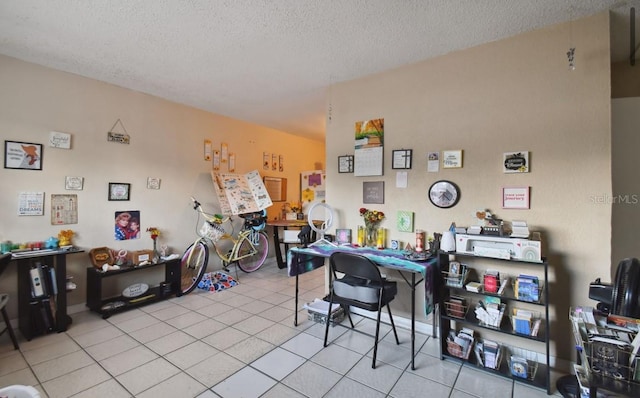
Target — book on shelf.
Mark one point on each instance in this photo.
(519, 367)
(524, 322)
(490, 313)
(536, 327)
(457, 306)
(527, 288)
(491, 281)
(474, 287)
(503, 285)
(491, 354)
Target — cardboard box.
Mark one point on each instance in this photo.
(139, 256)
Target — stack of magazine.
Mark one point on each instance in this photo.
(488, 353)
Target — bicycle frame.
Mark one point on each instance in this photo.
(233, 255)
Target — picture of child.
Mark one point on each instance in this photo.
(134, 228)
(127, 225)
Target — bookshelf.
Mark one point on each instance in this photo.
(457, 313)
(111, 305)
(48, 312)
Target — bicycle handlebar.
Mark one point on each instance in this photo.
(196, 204)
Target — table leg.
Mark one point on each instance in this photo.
(276, 243)
(413, 321)
(295, 312)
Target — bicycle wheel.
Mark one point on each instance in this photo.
(252, 263)
(194, 264)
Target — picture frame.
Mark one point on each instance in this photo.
(515, 162)
(153, 183)
(405, 221)
(516, 198)
(119, 191)
(343, 236)
(373, 192)
(276, 188)
(22, 155)
(345, 164)
(452, 159)
(401, 158)
(73, 183)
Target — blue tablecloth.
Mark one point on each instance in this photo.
(301, 260)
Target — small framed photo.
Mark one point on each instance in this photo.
(515, 162)
(119, 191)
(153, 183)
(73, 183)
(452, 159)
(345, 164)
(516, 197)
(22, 155)
(401, 159)
(405, 221)
(343, 236)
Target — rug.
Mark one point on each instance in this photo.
(216, 281)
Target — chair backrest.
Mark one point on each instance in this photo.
(355, 265)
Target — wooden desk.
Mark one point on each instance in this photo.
(301, 260)
(286, 224)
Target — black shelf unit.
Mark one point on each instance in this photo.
(542, 377)
(31, 311)
(95, 279)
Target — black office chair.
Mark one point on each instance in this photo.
(4, 299)
(362, 286)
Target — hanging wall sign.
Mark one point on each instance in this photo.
(119, 137)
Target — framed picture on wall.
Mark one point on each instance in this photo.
(452, 159)
(373, 192)
(345, 164)
(119, 191)
(22, 155)
(516, 197)
(401, 159)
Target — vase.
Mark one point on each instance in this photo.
(371, 235)
(156, 255)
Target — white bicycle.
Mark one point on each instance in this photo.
(249, 248)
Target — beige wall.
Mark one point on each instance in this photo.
(626, 186)
(166, 142)
(511, 95)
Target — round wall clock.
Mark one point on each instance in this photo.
(444, 194)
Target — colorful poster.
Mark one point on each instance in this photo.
(369, 143)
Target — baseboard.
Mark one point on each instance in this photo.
(404, 323)
(74, 309)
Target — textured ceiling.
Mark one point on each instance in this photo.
(268, 62)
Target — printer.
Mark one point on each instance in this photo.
(500, 247)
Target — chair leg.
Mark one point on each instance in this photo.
(9, 329)
(349, 316)
(375, 344)
(326, 328)
(393, 326)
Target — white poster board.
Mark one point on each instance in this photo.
(240, 193)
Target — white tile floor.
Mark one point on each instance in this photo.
(237, 343)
